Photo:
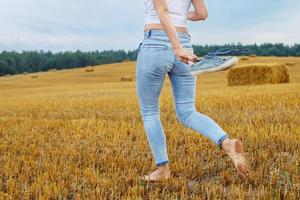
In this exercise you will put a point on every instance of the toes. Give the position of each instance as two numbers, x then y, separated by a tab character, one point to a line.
144	178
242	176
148	178
243	170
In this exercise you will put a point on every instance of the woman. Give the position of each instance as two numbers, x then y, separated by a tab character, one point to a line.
166	49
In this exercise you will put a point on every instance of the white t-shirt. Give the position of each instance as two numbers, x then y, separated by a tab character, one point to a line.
178	10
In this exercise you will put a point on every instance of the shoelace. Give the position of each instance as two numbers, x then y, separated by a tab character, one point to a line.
217	54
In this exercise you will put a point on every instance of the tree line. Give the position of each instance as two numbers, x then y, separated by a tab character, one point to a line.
34	61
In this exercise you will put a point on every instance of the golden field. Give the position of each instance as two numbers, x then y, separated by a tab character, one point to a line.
70	134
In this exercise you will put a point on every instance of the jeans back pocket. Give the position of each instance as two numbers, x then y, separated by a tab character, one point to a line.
149	45
153	44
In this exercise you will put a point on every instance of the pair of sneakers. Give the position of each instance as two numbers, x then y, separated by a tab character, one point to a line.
214	61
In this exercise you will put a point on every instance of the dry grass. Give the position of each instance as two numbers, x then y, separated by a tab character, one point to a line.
77	135
258	73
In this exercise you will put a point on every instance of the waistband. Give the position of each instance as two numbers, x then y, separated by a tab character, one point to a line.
158	32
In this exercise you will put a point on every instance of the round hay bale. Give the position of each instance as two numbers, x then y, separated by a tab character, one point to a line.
7	75
89	70
24	72
126	78
290	64
34	76
252	56
51	70
258	73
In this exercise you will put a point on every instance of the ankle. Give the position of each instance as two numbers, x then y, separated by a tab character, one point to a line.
163	168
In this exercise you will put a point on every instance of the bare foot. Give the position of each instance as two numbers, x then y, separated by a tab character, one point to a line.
162	172
234	149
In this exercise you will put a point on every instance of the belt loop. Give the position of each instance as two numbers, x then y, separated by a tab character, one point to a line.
149	33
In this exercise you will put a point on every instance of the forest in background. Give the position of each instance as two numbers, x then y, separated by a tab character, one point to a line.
12	62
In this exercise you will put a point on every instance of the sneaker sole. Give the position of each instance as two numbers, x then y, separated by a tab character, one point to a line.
226	65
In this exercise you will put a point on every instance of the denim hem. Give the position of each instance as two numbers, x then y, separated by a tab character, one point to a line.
162	163
221	141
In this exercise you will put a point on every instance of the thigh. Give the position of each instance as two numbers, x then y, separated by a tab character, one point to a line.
183	84
184	90
152	64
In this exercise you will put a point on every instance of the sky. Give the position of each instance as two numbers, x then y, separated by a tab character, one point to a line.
88	25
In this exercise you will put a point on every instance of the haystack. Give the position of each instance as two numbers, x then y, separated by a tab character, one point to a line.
89	70
34	76
252	56
290	64
258	73
126	78
244	58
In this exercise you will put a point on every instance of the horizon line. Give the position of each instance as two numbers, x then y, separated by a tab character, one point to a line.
94	50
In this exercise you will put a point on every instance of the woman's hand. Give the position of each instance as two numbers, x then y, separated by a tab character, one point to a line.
184	56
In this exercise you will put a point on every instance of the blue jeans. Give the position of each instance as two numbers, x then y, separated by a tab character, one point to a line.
155	59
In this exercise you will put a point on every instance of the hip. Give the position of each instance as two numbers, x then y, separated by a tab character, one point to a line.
155	26
155	40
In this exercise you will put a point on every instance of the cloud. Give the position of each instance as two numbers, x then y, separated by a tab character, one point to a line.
276	25
102	24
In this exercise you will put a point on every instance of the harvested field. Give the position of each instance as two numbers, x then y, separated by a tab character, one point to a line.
77	135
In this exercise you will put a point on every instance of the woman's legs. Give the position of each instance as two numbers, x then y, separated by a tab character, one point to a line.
154	60
184	86
151	68
152	65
